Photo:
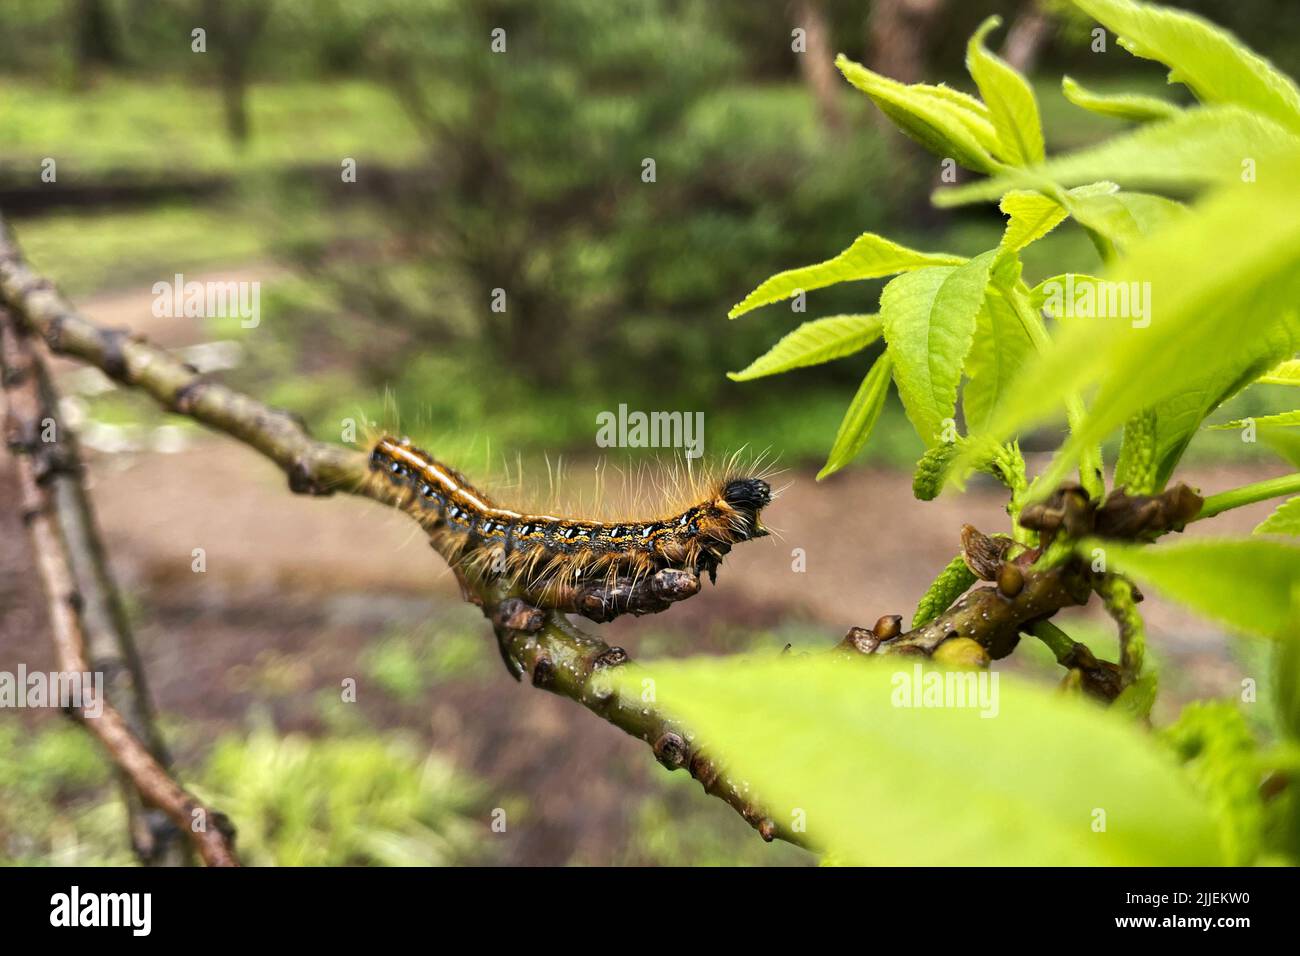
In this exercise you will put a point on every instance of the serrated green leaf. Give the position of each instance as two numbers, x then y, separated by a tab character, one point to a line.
1242	583
1280	420
1199	146
964	101
1210	61
929	318
870	257
1287	373
970	112
1179	416
830	738
1285	520
1123	217
815	342
861	417
1217	283
1222	757
996	358
1054	292
1129	106
1032	215
1009	98
938	122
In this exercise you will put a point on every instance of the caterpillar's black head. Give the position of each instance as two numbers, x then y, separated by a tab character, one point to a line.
748	496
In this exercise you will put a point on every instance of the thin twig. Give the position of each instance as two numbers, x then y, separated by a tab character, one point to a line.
208	830
109	641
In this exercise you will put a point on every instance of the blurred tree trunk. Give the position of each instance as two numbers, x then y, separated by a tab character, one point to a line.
96	37
897	35
235	26
1026	37
816	62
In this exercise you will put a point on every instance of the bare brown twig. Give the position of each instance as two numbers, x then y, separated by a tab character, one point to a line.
37	463
109	641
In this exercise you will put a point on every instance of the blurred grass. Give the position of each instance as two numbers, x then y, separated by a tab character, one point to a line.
171	128
57	803
344	801
86	252
361	799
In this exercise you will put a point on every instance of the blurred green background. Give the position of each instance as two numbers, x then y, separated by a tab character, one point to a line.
475	171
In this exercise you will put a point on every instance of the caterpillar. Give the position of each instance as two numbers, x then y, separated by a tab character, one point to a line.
550	559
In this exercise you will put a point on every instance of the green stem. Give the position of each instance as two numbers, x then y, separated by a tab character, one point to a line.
1057	641
1090	464
1249	494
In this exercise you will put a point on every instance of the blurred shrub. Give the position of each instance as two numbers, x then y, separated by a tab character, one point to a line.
58	803
341	801
407	663
535	185
362	799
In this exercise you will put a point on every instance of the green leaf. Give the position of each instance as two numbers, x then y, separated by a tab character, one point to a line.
1055	291
939	122
1286	673
1180	415
1221	755
1199	146
996	358
815	342
1280	420
1210	61
861	417
1285	443
879	783
870	257
1135	469
1137	699
1032	215
1129	106
1010	100
1285	520
1213	286
1242	583
1123	218
970	112
929	318
1287	373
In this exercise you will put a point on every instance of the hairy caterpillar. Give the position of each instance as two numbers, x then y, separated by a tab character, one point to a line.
550	559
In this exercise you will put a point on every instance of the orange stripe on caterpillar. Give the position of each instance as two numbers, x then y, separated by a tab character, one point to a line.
550	557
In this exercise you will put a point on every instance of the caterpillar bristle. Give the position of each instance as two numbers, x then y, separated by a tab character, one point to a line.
549	559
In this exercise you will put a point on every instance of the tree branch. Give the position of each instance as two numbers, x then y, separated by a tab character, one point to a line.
36	467
558	656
